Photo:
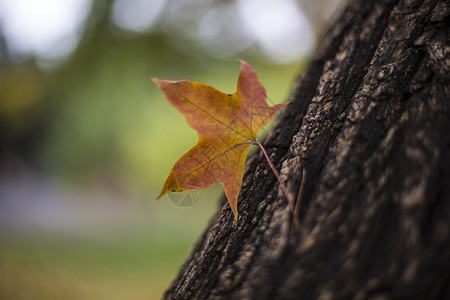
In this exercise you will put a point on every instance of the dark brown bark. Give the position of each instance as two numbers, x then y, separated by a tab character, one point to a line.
369	126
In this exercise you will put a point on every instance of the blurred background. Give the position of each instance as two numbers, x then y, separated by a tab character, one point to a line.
87	140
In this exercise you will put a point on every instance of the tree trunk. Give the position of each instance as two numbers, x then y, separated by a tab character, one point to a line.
364	146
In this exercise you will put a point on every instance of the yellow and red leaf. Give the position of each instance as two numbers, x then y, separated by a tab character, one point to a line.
227	124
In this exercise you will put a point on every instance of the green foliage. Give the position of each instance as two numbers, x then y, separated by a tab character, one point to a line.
110	117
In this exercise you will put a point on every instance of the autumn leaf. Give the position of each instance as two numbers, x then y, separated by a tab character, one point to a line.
227	125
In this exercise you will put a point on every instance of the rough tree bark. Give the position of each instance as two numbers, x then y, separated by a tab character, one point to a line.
367	136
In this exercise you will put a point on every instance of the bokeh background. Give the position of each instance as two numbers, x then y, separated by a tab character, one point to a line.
87	140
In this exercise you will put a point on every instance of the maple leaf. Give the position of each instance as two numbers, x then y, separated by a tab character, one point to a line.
227	125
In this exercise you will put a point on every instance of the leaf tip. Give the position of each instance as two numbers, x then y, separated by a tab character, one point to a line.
244	64
234	211
163	192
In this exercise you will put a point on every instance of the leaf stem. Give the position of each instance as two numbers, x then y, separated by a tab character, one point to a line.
277	175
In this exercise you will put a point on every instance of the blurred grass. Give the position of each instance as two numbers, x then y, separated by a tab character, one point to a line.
138	262
71	268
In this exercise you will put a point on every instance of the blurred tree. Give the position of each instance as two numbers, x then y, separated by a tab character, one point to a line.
22	111
85	113
4	59
364	146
